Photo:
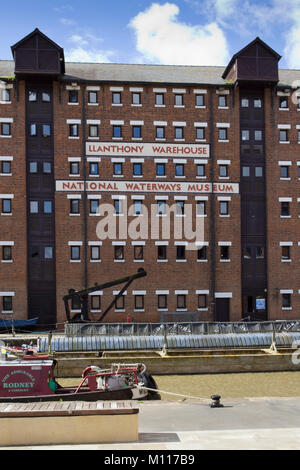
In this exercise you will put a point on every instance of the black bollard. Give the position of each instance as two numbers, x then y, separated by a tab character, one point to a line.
216	401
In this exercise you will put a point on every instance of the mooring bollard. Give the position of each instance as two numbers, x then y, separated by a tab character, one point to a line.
216	402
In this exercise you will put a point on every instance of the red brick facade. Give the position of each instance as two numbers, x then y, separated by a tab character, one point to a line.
191	278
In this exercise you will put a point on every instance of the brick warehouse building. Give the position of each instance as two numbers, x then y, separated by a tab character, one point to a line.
223	141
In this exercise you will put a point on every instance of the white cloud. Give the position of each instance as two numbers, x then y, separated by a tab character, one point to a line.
162	37
67	21
84	49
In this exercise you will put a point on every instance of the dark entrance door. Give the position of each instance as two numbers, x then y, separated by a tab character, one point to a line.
222	309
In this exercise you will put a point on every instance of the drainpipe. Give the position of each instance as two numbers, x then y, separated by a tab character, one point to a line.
212	205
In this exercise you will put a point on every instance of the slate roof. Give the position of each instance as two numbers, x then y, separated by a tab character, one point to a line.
156	74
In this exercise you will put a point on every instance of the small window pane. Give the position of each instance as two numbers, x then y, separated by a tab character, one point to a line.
48	252
46	97
47	207
33	167
246	171
32	96
34	207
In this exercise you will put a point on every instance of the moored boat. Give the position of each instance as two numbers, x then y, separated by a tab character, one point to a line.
32	379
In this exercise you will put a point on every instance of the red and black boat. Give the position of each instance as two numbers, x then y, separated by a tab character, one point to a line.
32	379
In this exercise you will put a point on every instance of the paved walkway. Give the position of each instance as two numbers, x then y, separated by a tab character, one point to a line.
254	423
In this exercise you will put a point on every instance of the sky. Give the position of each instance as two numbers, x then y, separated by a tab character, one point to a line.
185	32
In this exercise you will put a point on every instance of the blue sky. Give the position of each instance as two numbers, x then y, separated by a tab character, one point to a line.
185	32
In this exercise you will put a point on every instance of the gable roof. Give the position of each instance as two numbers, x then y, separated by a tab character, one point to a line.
35	32
257	40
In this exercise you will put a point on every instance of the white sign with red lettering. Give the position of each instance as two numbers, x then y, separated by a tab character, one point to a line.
147	187
130	149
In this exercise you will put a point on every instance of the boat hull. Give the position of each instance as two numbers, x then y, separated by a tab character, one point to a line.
111	395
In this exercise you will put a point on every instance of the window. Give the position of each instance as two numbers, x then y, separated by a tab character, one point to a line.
285	253
118	206
119	252
285	209
283	135
200	133
73	130
180	252
136	132
178	132
34	207
139	302
283	102
160	169
245	135
257	103
138	252
93	97
75	253
95	253
137	169
201	170
120	303
93	131
116	98
247	252
222	101
7	253
136	98
137	207
200	100
159	99
201	253
5	168
5	129
6	206
162	252
46	130
47	167
33	167
222	134
286	301
74	206
46	97
117	131
224	252
181	301
284	172
179	207
74	168
179	169
75	303
94	206
260	252
32	96
96	302
7	303
5	95
118	169
223	208
201	207
258	135
94	168
245	103
162	301
47	207
178	100
73	96
33	130
48	252
259	171
161	207
246	171
223	171
160	132
202	301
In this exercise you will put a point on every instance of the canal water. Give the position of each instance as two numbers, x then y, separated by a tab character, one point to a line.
270	384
